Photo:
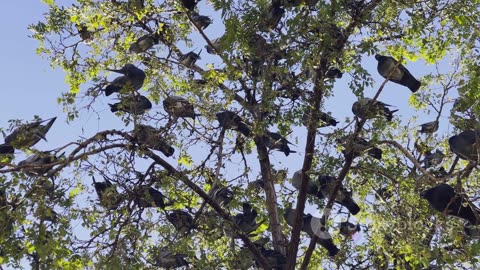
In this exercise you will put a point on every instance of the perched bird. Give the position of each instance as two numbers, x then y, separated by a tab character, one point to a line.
37	164
217	46
246	220
272	19
348	229
144	43
189	58
343	197
181	220
223	196
400	75
333	73
190	4
465	144
276	259
313	226
136	105
6	149
27	135
472	231
276	141
429	127
367	108
132	80
201	21
312	188
179	107
166	259
433	159
325	120
230	120
359	146
107	194
152	138
444	199
149	197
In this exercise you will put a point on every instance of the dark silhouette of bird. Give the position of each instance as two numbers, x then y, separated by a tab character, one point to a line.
313	226
359	146
179	107
136	105
132	80
6	149
189	58
181	220
27	135
312	188
274	258
247	220
429	127
190	4
348	229
168	260
433	159
107	194
149	197
230	120
144	43
367	108
201	21
444	199
272	18
343	197
276	141
325	120
472	231
152	138
37	164
223	196
401	75
217	46
333	73
465	144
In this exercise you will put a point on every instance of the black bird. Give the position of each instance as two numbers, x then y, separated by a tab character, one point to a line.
312	188
429	127
152	138
360	146
325	120
333	73
276	259
201	21
246	220
444	199
144	43
272	19
136	105
401	75
166	259
6	149
276	141
189	59
348	229
190	4
465	144
217	46
313	227
433	159
366	107
230	120
107	194
132	80
343	197
181	220
149	197
223	196
28	135
37	164
179	107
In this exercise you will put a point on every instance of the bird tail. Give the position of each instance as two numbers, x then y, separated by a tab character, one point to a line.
351	205
43	131
329	246
389	114
412	84
375	153
113	107
244	129
110	89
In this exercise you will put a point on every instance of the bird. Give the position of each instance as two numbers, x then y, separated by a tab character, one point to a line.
6	149
314	227
149	197
144	43
343	197
272	18
107	194
189	58
136	105
179	107
152	138
132	80
36	164
230	120
325	120
274	258
359	146
247	220
472	231
348	229
276	141
444	199
433	159
217	46
168	260
190	4
429	127
400	75
201	21
312	188
333	73
367	108
27	135
181	220
223	196
465	144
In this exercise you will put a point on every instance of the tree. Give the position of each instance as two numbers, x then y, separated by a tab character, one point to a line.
180	188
